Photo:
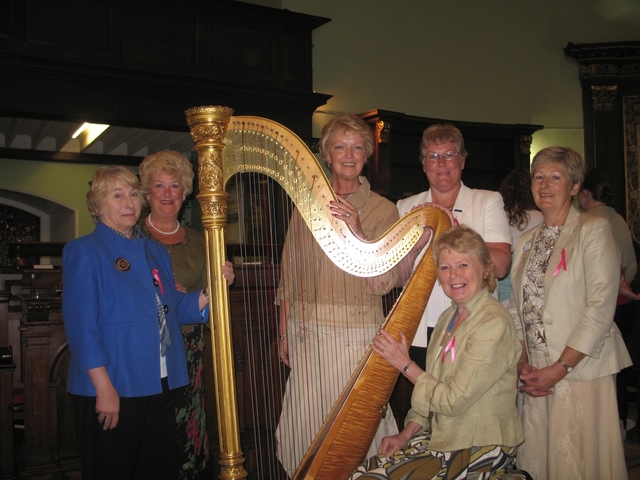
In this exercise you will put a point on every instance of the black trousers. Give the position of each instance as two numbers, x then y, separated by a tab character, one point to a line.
143	445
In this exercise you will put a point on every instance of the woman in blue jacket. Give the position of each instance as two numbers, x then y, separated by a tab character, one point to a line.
122	316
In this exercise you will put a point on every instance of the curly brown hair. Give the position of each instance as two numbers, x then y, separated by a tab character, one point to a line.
518	199
597	182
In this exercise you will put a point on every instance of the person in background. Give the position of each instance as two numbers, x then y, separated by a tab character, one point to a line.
122	313
598	198
522	213
167	180
443	157
327	316
564	284
463	422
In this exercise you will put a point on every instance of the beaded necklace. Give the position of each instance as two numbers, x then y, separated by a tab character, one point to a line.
158	230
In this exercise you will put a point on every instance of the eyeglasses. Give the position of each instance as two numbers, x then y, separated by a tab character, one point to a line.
446	156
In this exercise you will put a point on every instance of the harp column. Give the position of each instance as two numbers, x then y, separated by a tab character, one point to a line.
208	127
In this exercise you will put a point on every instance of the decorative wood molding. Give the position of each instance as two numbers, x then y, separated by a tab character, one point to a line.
603	97
383	130
632	165
525	144
602	60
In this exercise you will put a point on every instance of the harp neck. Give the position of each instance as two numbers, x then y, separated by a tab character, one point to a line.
259	145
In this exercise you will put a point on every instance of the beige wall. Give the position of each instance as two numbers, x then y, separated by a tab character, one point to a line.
486	61
59	182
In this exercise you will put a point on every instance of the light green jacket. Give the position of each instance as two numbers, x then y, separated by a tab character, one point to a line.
472	401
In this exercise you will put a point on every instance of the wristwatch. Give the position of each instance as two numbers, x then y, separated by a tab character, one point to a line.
566	367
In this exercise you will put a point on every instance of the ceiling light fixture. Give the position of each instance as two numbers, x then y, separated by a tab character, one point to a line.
91	131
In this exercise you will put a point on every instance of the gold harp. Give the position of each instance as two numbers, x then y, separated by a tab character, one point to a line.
229	145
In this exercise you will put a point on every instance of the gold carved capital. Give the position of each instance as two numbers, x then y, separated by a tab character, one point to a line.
383	130
210	169
208	124
214	207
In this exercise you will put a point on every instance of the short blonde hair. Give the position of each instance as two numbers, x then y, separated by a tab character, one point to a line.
346	123
168	162
437	134
103	182
463	239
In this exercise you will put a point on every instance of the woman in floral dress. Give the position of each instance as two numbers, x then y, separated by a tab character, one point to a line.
565	278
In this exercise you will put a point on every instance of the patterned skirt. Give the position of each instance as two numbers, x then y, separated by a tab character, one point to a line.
415	460
191	420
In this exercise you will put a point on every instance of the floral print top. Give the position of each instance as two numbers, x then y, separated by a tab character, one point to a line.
533	290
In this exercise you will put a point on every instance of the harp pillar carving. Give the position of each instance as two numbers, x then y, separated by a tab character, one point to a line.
208	128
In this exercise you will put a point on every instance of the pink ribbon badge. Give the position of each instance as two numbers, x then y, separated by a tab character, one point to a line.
562	264
156	276
451	346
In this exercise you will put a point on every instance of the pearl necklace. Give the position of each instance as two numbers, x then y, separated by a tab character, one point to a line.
164	233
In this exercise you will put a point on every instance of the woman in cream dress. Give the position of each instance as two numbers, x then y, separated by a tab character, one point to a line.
327	316
565	278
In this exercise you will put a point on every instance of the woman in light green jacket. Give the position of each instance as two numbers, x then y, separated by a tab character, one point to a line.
463	418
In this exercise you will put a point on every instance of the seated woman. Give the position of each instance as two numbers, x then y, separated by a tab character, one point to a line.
463	418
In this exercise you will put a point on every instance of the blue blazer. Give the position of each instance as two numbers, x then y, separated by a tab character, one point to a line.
110	313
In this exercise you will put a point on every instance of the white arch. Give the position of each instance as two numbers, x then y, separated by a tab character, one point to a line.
58	222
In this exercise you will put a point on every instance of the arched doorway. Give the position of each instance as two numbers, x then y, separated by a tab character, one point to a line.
26	217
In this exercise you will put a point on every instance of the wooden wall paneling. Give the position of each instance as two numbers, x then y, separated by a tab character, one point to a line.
62	421
7	471
46	447
139	64
37	451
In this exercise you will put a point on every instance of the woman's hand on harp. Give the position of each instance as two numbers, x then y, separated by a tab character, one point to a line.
393	351
283	350
436	205
227	272
343	210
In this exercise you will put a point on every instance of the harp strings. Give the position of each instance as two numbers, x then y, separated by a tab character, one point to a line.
324	356
261	378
